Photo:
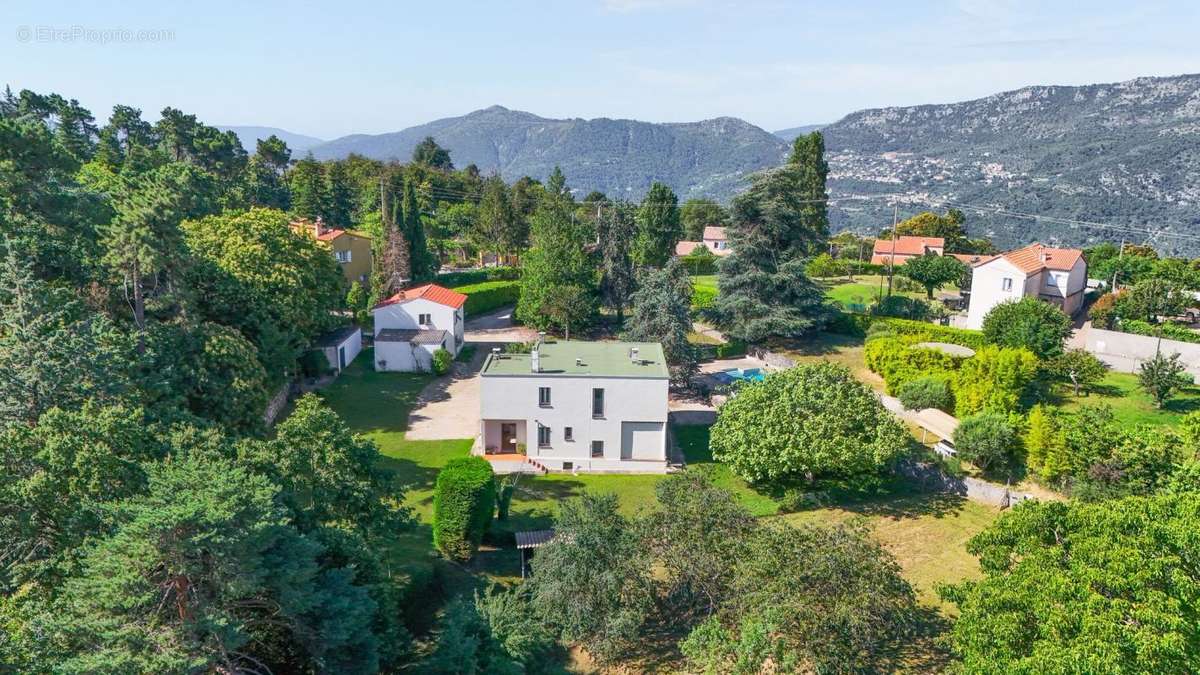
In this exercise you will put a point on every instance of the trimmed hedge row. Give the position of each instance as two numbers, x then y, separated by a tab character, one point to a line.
464	500
865	325
726	350
489	295
1170	331
467	277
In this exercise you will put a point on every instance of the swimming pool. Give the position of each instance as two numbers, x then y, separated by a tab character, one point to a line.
744	374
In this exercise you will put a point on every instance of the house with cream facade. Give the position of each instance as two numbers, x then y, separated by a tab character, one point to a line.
1054	275
713	239
350	248
576	406
414	323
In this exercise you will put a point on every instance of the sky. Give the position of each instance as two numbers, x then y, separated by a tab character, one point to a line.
328	69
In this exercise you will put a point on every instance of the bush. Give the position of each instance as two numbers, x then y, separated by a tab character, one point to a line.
464	500
993	380
848	323
504	494
901	306
441	361
897	361
313	363
920	331
987	440
731	350
825	265
927	392
489	295
703	297
700	262
1030	323
1170	331
469	277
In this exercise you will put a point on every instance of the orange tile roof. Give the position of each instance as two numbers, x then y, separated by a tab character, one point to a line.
430	292
974	259
908	245
714	232
330	235
1035	257
686	247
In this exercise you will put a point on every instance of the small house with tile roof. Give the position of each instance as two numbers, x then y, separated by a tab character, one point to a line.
352	249
414	323
1055	275
905	248
713	239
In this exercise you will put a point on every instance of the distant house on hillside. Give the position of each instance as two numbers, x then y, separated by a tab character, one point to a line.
576	406
414	323
904	248
713	239
350	248
1056	275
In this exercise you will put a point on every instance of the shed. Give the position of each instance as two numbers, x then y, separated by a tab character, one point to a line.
527	541
937	422
340	346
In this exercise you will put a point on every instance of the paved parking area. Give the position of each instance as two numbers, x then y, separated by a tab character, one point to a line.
448	407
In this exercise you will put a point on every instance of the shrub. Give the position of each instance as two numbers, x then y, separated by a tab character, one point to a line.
313	363
825	265
731	350
1103	311
847	323
464	500
504	495
901	306
927	332
1030	323
1169	331
897	361
987	440
489	295
700	262
703	297
927	392
441	361
993	380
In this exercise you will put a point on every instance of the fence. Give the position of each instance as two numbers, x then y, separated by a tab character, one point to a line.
1125	352
932	479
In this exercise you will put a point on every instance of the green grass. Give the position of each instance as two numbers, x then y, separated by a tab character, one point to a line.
1130	403
861	292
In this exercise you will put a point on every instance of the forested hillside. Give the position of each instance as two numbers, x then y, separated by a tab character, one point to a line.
1126	154
621	158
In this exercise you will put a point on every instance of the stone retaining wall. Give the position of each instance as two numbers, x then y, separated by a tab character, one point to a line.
932	479
277	403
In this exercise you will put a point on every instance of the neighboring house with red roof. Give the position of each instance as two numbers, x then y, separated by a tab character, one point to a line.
1055	275
414	323
350	248
713	239
905	248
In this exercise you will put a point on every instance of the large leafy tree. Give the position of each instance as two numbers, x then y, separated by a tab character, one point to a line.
805	424
950	226
932	271
429	153
779	221
698	213
593	581
1107	587
662	313
1030	323
558	276
657	227
204	572
499	227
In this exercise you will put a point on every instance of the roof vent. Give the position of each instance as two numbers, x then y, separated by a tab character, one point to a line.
578	362
535	361
633	355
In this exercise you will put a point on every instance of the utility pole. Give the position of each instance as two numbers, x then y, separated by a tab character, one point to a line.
1120	254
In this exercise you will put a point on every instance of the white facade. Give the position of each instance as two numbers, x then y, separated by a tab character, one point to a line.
1002	280
342	351
422	314
413	324
571	421
407	356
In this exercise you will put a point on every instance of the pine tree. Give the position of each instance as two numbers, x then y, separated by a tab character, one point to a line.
339	208
307	182
658	228
662	313
558	276
422	263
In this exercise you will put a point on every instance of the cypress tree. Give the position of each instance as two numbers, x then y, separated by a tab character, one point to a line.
423	264
658	228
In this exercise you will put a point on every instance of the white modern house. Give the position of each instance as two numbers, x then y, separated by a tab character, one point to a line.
1055	275
414	323
576	406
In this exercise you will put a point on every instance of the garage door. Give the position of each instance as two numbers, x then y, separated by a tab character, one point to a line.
642	440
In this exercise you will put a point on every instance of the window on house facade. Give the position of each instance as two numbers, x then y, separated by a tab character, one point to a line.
568	434
1006	284
544	397
597	403
568	466
343	256
1054	279
543	437
597	448
424	319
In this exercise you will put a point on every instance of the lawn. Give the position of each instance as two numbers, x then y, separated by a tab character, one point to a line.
1129	402
856	295
844	349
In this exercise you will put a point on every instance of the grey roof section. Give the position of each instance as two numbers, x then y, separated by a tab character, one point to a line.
336	337
533	538
561	358
411	336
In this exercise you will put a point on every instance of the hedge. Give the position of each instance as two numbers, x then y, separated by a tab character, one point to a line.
701	263
1170	331
703	297
864	325
470	277
489	295
464	500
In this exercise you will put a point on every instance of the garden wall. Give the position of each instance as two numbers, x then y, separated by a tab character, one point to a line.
932	479
277	403
1125	352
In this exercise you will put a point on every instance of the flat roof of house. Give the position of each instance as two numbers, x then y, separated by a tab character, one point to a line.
576	358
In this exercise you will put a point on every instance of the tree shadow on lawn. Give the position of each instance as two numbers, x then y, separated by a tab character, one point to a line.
900	499
819	344
408	474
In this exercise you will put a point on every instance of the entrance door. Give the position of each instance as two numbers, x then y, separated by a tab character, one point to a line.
508	437
341	358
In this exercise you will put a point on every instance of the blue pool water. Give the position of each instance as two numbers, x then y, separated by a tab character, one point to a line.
733	374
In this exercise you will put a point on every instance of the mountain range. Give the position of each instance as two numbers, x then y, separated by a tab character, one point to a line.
249	136
1124	154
